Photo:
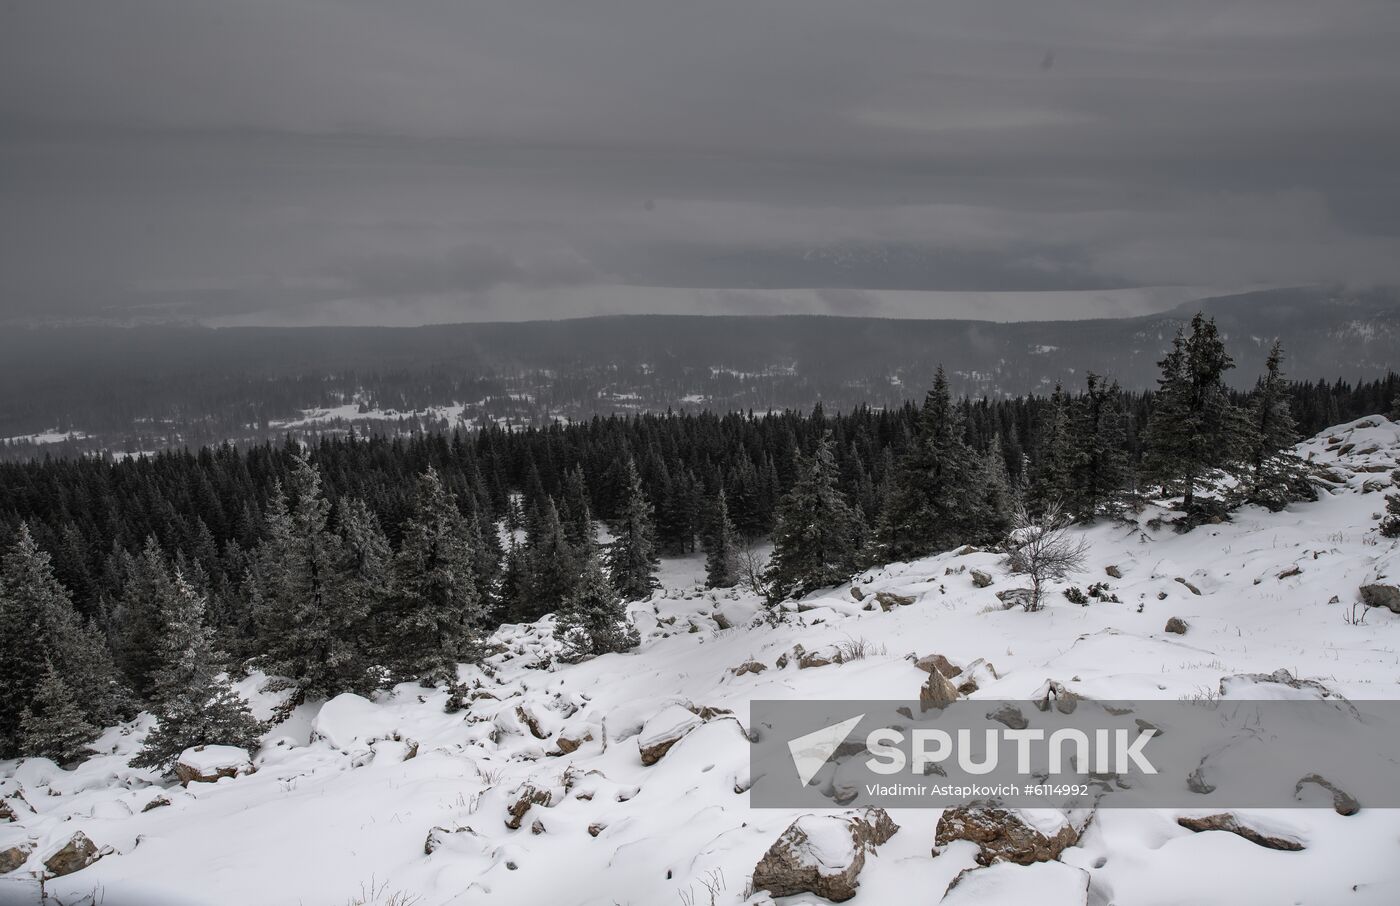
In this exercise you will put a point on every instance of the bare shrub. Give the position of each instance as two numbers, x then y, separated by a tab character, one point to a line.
1042	548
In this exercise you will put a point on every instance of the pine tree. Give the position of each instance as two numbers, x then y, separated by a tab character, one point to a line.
139	617
1193	427
632	560
367	577
593	619
817	540
551	566
576	513
440	611
721	548
1053	477
1271	431
52	725
1099	470
194	702
309	628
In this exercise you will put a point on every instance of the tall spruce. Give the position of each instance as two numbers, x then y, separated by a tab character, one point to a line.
1272	429
593	620
721	548
52	725
440	611
1099	464
1193	428
195	704
367	577
632	559
816	542
1053	477
551	565
140	619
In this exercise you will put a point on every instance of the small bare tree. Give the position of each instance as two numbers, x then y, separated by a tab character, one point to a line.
1042	548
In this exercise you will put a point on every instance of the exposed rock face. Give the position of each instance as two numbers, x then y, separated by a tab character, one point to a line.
1177	625
664	730
78	853
937	693
570	741
1022	836
1226	821
823	854
748	667
207	764
1345	803
981	579
14	856
937	663
529	795
1387	596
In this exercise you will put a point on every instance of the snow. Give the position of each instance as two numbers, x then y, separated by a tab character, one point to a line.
347	791
210	759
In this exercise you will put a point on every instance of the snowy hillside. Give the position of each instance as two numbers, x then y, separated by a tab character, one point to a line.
538	792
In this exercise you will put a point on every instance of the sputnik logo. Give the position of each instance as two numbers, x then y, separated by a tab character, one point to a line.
810	752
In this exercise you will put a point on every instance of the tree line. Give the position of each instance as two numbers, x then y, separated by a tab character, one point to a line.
360	562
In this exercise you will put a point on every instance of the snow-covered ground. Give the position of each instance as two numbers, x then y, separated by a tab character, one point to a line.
347	794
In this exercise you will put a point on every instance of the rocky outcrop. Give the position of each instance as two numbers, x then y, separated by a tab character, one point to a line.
937	663
208	764
1177	625
13	857
1231	823
1387	596
664	730
569	741
937	693
823	854
78	853
527	796
1023	836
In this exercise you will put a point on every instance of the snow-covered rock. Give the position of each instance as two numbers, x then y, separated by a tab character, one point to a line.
208	764
664	730
823	854
1022	836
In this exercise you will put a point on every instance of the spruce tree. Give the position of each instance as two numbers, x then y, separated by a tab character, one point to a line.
632	560
552	565
1272	430
366	576
439	609
52	725
593	619
195	704
139	617
721	548
816	541
1053	477
1193	427
1099	470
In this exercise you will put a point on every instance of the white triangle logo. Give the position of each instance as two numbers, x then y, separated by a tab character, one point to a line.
810	752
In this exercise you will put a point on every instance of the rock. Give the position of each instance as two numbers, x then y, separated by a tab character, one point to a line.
1113	572
1227	821
1372	485
528	795
888	600
1345	803
1387	596
1294	570
1023	836
78	853
857	593
748	667
664	730
1189	587
11	809
937	693
1177	625
981	579
823	854
965	550
1053	693
1335	599
938	663
1013	597
1043	883
1010	716
820	657
158	802
438	837
530	721
13	857
569	742
596	828
537	827
1161	596
208	764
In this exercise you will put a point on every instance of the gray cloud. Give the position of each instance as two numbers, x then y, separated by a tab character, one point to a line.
216	159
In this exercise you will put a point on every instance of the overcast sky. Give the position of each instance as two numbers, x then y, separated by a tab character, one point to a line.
303	161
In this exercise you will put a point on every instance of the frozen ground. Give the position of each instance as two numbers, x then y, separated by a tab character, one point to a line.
346	793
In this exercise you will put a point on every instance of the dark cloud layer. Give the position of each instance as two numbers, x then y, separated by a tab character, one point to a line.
437	159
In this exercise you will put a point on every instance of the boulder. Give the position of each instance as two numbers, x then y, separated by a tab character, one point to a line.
1042	883
980	578
1014	597
748	667
937	693
78	853
13	857
439	836
1294	570
569	741
937	663
527	796
157	802
857	593
1053	693
1344	803
1113	572
1231	823
823	854
11	809
820	657
1372	485
1010	716
532	723
596	828
1387	596
1177	625
664	730
1023	836
208	764
1189	587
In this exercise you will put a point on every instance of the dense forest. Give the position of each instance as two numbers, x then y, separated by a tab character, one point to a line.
359	561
